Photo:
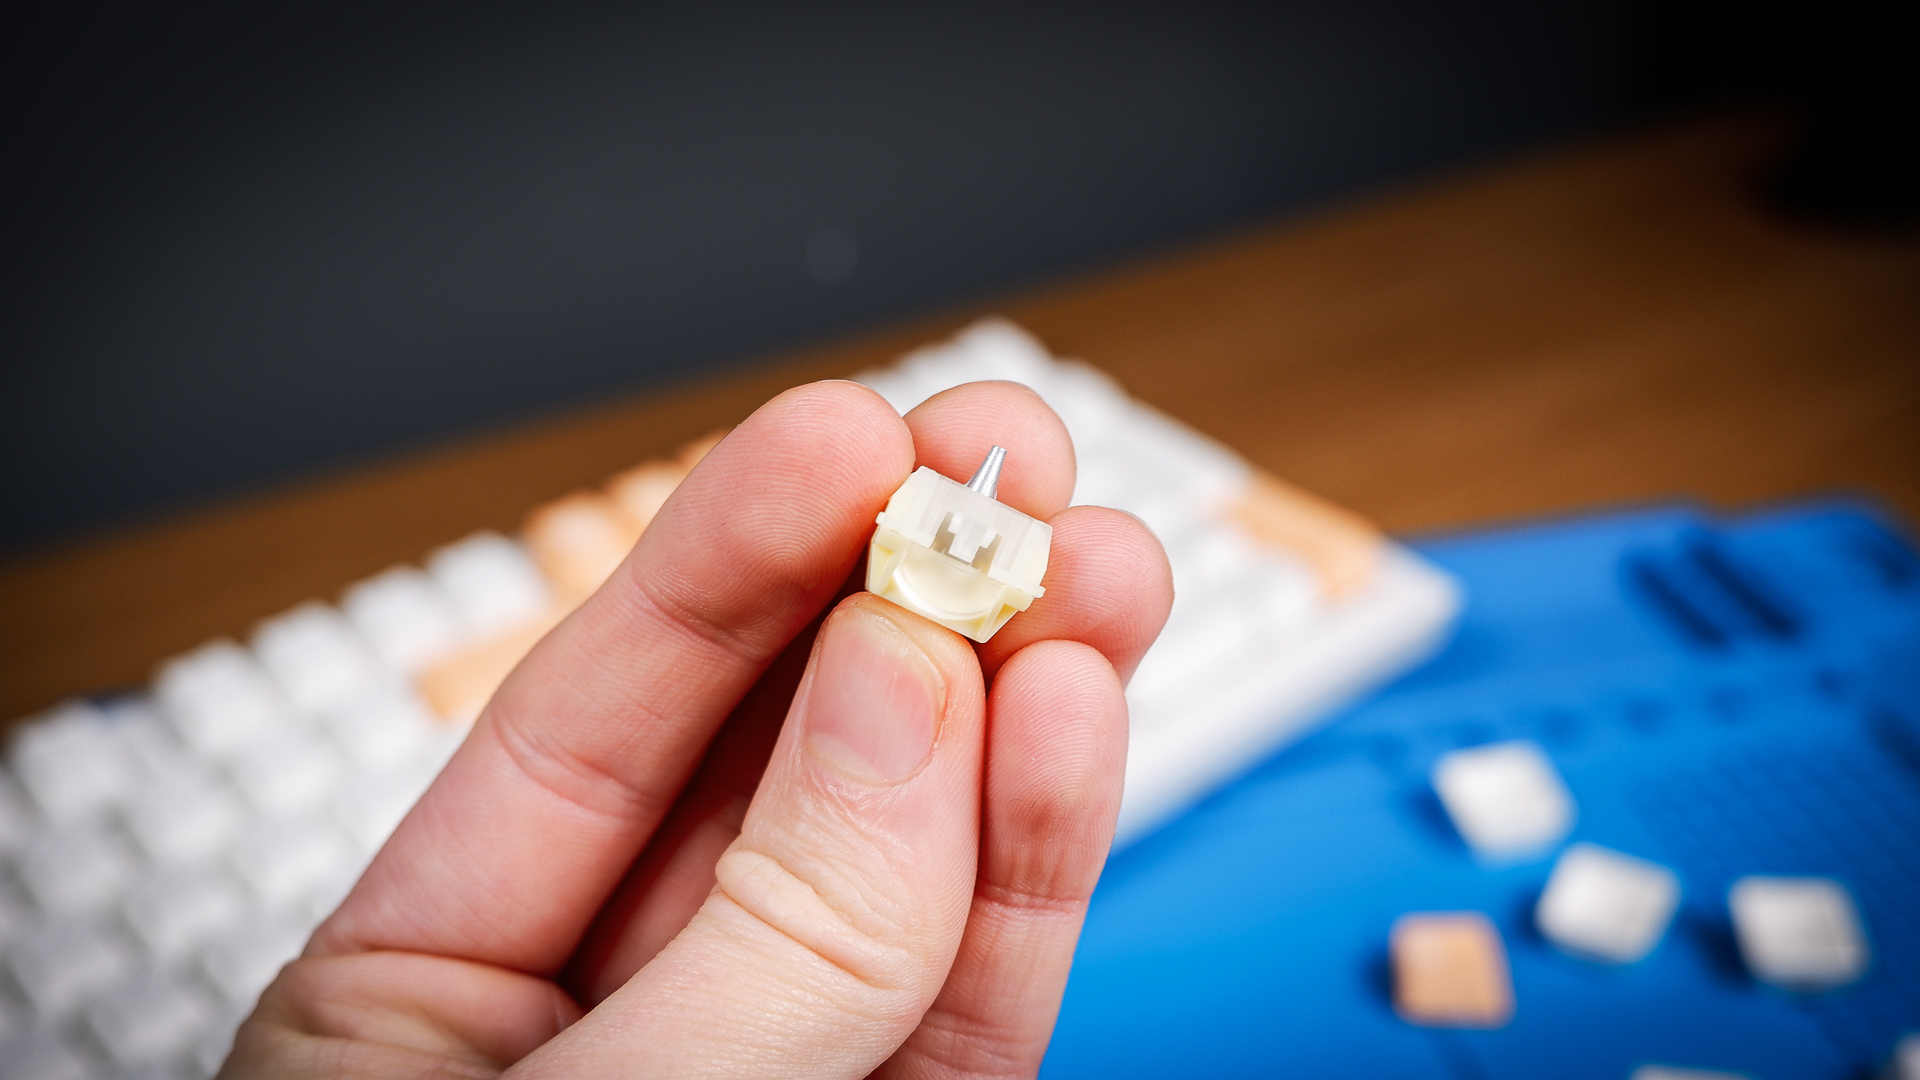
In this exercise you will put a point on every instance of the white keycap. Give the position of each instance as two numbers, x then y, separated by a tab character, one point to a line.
71	762
1507	800
999	349
16	1019
65	961
1165	514
290	772
918	377
1091	405
219	698
152	744
1285	593
374	806
324	898
46	1053
1905	1062
1674	1072
1207	473
1207	633
1605	905
79	867
385	726
1802	933
188	816
243	962
177	909
491	581
888	385
287	864
171	1069
316	657
1204	558
17	915
1096	482
989	349
149	1021
17	820
215	1041
1224	627
409	621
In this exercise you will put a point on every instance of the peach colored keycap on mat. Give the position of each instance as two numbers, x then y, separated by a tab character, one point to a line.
1450	970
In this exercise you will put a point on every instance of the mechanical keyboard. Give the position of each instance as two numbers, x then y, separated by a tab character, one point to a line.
164	851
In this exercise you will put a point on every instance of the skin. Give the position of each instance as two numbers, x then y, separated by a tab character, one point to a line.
733	817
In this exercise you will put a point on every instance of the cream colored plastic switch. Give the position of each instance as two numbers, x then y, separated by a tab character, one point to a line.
956	554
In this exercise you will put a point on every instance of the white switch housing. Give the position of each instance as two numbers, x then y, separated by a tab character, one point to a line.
959	557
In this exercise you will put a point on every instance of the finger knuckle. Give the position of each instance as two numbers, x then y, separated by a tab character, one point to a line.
776	897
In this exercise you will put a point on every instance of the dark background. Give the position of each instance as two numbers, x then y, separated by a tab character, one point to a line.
245	247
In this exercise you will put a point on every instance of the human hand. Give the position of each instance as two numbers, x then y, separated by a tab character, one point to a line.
698	831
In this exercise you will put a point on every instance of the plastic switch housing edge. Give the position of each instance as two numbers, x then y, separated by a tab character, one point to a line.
959	557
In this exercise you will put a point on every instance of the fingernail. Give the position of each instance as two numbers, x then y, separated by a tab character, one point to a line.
873	705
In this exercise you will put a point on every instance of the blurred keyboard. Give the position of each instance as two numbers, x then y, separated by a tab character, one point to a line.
163	852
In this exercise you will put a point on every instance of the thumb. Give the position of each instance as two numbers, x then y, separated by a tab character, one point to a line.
837	912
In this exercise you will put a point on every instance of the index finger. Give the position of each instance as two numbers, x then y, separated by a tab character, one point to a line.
572	765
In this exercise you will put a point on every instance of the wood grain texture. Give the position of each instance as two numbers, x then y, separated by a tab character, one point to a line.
1606	325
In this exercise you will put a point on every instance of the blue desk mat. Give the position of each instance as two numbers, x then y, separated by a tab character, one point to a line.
1724	697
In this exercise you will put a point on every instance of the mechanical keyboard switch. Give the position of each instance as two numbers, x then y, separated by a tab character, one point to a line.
957	555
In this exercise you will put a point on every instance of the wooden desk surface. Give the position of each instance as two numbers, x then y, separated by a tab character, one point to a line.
1612	324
